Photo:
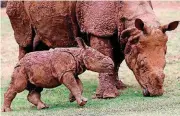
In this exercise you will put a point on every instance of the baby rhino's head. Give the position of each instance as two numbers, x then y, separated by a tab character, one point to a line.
94	60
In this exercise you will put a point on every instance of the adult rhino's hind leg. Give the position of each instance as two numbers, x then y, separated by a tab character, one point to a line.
107	81
21	25
24	50
34	96
38	45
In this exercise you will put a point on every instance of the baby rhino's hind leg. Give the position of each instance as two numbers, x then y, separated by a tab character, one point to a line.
34	96
69	81
17	85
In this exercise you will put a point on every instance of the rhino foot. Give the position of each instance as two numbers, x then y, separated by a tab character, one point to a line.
83	102
42	106
6	109
108	93
120	85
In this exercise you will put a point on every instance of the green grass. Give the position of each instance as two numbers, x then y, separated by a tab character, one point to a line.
130	102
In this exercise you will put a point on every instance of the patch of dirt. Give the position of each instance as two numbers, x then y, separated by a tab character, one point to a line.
3	12
166	5
174	58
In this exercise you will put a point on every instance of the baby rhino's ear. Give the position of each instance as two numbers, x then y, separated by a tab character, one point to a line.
81	42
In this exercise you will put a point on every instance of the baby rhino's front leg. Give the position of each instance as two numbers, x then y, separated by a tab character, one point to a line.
69	81
71	96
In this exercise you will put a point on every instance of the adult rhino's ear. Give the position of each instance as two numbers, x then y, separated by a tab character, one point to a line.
139	24
125	34
81	42
169	27
131	35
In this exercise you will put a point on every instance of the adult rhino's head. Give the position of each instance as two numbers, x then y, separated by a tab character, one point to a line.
145	51
94	60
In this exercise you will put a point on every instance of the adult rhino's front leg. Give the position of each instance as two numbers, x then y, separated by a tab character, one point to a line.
108	82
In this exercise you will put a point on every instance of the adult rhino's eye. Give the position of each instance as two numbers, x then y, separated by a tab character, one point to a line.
142	63
134	41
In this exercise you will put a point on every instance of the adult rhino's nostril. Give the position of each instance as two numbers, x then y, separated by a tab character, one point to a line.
160	77
146	92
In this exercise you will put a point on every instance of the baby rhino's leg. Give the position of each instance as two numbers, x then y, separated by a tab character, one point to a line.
17	85
71	97
34	96
69	81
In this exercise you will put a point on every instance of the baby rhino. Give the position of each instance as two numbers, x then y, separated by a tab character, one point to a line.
49	69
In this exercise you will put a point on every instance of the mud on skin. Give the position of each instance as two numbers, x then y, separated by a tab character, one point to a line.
43	25
49	69
144	42
145	54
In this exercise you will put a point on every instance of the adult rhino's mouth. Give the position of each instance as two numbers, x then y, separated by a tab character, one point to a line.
152	83
148	93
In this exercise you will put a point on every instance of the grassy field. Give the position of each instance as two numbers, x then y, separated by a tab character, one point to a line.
130	102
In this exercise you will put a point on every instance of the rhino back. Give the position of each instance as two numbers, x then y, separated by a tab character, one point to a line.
52	21
45	68
96	17
131	10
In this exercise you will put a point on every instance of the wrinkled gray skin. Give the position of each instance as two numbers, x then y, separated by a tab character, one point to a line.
44	25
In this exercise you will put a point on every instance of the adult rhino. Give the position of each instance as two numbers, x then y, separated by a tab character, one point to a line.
43	25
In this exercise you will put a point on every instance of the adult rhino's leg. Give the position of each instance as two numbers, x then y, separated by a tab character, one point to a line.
24	50
118	57
21	25
38	45
107	81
